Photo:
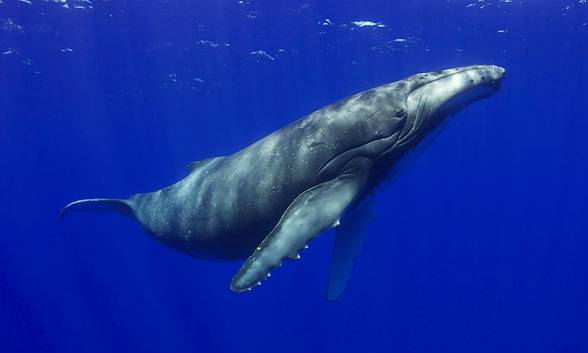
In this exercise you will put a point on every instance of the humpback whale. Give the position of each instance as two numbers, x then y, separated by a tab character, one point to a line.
267	201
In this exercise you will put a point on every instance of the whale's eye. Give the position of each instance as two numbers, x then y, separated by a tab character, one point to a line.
400	113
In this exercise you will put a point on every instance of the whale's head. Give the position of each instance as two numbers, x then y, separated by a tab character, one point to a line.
431	98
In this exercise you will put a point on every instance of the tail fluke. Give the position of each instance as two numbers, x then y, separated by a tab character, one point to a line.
98	206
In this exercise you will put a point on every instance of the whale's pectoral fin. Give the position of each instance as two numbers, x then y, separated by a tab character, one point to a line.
347	246
313	211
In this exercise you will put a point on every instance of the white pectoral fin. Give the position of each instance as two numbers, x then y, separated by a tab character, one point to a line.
313	211
347	246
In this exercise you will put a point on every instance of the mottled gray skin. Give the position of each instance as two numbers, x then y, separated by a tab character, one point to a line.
227	205
224	209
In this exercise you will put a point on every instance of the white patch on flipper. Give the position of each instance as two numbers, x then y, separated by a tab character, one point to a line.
309	214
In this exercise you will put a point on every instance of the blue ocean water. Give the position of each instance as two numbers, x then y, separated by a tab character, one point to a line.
480	246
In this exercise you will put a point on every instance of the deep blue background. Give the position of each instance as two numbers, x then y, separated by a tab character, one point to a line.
480	246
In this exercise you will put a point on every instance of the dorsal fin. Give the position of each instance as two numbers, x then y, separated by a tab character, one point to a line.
199	164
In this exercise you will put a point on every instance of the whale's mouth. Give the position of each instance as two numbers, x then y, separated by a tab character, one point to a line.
437	96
